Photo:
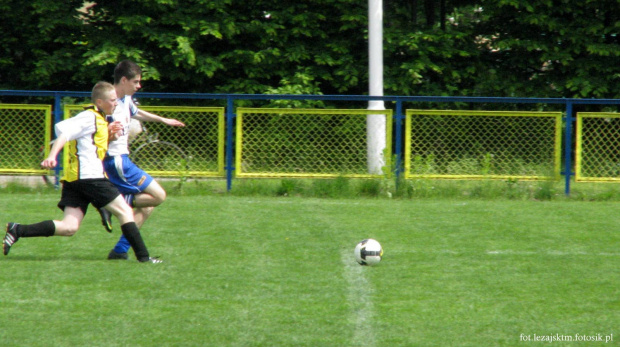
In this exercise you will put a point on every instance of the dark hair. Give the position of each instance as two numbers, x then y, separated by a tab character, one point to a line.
127	69
99	91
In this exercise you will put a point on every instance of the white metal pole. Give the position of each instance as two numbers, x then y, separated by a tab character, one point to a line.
375	124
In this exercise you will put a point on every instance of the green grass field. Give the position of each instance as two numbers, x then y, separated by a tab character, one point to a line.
262	271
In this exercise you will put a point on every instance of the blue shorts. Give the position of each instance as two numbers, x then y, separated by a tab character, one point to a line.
126	176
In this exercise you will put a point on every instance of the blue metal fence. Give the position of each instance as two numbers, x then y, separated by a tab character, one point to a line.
232	100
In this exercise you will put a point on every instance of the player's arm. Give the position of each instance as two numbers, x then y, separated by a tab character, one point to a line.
50	161
151	117
69	129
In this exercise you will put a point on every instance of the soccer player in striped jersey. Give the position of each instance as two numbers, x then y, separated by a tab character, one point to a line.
84	180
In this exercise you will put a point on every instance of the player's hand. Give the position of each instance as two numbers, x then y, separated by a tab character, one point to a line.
174	122
49	163
115	127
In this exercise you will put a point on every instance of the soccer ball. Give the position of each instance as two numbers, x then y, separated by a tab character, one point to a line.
135	128
368	252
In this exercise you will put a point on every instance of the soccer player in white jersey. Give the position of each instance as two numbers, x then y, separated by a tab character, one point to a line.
141	191
84	181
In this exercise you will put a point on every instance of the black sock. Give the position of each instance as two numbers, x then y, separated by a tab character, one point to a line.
132	234
45	228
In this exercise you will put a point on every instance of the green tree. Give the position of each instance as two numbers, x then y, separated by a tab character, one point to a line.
429	50
41	45
531	48
550	48
221	46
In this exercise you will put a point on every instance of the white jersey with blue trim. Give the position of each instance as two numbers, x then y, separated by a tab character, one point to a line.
122	113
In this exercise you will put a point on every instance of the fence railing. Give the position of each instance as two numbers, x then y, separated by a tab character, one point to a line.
597	153
24	133
195	150
305	142
483	144
519	146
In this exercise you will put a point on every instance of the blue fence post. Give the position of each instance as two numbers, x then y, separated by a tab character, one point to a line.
57	107
398	140
230	116
568	147
58	115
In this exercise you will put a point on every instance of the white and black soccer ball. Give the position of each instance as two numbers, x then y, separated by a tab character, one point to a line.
368	252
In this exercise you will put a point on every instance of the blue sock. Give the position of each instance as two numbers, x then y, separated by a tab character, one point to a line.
122	246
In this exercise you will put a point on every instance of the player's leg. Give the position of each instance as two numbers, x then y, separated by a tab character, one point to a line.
15	231
144	203
153	193
151	196
122	246
113	166
102	193
126	180
74	206
119	208
68	226
70	223
141	214
141	192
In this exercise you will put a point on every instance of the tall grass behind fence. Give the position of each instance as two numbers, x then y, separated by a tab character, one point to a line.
483	144
597	155
25	131
305	142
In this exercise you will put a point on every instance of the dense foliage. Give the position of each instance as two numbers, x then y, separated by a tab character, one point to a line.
535	48
557	48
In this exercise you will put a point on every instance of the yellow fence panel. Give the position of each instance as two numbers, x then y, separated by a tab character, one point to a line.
195	150
25	131
305	142
483	144
597	154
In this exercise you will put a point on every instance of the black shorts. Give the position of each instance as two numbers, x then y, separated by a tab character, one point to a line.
80	193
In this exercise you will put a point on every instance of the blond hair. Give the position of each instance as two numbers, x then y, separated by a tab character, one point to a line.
100	90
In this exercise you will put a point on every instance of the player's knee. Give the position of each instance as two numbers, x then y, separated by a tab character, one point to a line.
70	230
160	196
121	210
125	216
125	211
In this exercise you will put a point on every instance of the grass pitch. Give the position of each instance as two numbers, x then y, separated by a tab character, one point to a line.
259	271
